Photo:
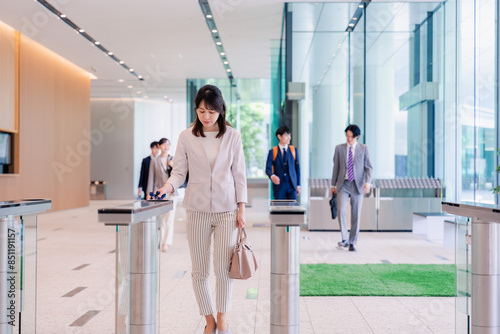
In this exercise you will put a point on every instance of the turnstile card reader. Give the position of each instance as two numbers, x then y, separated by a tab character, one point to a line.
286	213
137	307
286	216
18	263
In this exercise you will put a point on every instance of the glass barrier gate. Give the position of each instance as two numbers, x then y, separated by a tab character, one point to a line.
137	302
478	267
18	256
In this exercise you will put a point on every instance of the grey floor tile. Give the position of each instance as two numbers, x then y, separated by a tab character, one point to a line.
178	308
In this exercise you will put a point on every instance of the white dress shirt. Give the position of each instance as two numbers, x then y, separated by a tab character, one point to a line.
285	148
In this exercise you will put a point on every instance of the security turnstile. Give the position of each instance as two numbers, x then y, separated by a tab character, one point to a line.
137	264
286	217
18	252
478	272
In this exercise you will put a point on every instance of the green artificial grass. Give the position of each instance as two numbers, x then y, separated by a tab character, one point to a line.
381	279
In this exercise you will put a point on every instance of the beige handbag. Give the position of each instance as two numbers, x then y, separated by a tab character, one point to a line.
243	263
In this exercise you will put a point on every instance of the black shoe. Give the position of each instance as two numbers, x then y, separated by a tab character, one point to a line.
343	243
351	248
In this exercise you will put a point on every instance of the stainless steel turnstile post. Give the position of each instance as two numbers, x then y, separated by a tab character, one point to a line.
137	264
485	264
286	217
18	256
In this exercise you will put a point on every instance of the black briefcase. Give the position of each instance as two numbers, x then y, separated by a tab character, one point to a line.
333	205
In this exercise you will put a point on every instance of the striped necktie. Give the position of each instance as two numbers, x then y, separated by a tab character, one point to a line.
350	166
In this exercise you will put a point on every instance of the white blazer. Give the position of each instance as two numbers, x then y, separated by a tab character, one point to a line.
217	190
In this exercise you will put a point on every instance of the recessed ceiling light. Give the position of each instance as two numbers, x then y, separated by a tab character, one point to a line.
219	43
170	101
81	30
131	69
164	96
63	16
121	62
138	92
222	53
229	70
361	6
355	18
214	31
130	86
97	43
121	80
139	76
351	24
226	62
209	16
110	53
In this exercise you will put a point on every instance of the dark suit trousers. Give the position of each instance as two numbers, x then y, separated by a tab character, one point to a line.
347	190
284	190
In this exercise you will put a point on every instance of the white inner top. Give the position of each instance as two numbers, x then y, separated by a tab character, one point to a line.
212	146
164	162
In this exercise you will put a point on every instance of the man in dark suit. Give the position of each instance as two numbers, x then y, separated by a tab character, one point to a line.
283	167
146	162
351	177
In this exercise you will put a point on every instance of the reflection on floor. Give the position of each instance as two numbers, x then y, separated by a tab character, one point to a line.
76	264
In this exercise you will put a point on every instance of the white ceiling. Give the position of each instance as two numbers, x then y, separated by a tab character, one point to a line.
165	41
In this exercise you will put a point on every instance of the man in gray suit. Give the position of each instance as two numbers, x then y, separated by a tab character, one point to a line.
352	174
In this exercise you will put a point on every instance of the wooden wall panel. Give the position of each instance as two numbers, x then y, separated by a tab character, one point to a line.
7	79
54	118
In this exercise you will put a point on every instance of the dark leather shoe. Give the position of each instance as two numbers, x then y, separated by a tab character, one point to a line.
351	248
343	243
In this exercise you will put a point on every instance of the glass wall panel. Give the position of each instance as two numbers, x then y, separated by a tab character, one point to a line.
419	78
477	94
485	99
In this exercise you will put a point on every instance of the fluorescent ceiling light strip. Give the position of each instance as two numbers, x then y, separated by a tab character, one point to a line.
357	15
82	32
219	46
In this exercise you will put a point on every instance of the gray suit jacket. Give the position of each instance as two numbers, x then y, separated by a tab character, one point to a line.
157	175
362	166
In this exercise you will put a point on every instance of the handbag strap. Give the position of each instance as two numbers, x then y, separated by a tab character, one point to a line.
241	238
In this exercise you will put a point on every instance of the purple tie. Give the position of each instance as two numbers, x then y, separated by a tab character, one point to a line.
350	169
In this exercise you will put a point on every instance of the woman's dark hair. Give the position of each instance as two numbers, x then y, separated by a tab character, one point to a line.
356	131
212	97
163	140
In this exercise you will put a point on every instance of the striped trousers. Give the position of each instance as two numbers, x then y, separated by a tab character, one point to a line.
200	226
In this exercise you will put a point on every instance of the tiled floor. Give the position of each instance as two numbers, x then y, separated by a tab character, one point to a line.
75	251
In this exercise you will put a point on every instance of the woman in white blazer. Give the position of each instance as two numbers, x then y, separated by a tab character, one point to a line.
212	153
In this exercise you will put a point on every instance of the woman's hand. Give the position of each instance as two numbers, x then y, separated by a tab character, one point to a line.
240	219
166	189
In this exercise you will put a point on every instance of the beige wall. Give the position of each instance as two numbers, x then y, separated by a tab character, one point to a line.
54	120
8	121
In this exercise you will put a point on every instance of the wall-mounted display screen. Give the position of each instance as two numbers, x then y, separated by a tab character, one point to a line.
5	148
